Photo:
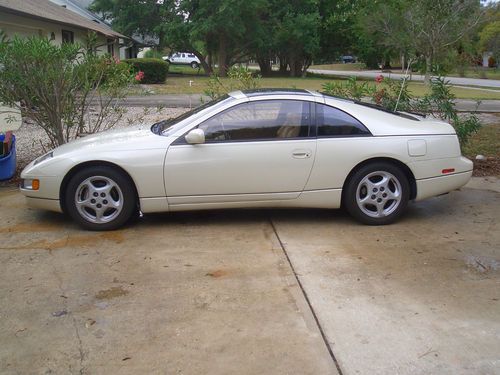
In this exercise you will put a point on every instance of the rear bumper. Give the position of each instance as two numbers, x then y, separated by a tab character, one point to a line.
44	204
430	187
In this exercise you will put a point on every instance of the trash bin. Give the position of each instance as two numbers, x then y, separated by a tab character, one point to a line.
8	161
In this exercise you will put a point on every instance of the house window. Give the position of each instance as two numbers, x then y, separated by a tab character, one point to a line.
68	36
111	46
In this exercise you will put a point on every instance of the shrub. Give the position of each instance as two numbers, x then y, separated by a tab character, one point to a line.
395	95
155	70
238	78
352	89
62	89
441	104
153	54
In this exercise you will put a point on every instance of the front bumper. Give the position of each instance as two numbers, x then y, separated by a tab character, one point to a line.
44	204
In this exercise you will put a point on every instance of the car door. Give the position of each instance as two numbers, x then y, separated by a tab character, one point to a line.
257	150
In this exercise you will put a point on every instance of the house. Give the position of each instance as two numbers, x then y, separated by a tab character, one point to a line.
45	18
129	47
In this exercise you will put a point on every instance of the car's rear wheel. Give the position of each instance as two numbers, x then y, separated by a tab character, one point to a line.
377	194
195	65
100	198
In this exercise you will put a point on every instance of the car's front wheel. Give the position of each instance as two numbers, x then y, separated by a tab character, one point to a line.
100	198
195	65
377	194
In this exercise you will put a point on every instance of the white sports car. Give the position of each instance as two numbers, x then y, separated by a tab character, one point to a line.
260	148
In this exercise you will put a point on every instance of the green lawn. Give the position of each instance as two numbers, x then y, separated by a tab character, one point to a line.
485	142
355	66
487	73
184	69
180	84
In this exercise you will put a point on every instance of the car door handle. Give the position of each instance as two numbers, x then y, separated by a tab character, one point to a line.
301	154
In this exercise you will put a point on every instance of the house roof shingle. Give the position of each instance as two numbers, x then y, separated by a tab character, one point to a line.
48	11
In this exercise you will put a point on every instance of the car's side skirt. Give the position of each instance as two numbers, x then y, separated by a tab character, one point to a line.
327	198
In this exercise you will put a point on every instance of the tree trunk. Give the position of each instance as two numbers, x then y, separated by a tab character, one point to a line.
206	67
283	65
402	63
210	60
307	63
222	55
428	68
265	66
295	66
292	63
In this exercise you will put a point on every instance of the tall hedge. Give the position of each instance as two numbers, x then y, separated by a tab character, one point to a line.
155	70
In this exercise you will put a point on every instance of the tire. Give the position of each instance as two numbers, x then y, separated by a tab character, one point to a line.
195	65
377	194
114	204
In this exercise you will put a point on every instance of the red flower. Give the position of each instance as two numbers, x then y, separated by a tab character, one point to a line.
139	76
379	79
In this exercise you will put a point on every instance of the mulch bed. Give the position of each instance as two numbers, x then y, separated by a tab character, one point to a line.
489	167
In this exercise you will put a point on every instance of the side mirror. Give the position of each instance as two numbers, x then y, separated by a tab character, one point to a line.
195	136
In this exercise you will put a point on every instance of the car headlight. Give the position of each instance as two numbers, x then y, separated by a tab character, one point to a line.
44	157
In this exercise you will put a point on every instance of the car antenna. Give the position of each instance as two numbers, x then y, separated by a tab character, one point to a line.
410	61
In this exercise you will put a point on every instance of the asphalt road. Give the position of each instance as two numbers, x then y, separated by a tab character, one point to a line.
189	101
414	77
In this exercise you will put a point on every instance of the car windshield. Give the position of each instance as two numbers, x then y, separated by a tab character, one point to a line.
171	125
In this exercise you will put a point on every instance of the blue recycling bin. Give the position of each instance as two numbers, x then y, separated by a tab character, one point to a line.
8	162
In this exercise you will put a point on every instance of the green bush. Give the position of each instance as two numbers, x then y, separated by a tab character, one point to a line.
155	70
153	54
395	95
239	78
63	89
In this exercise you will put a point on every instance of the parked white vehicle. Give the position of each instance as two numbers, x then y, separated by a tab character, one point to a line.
262	148
183	58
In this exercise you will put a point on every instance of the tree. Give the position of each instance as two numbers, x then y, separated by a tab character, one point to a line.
143	17
223	28
425	27
383	31
298	40
489	35
489	39
337	31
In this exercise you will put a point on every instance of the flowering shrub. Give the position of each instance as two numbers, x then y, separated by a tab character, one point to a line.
153	70
64	89
139	76
395	95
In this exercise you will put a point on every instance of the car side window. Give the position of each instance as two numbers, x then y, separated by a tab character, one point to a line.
332	122
259	120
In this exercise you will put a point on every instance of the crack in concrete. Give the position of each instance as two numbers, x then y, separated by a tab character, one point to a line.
304	293
73	320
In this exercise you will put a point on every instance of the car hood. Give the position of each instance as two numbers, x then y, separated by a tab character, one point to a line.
135	137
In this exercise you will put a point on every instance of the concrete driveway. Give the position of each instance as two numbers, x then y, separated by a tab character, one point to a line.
254	292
